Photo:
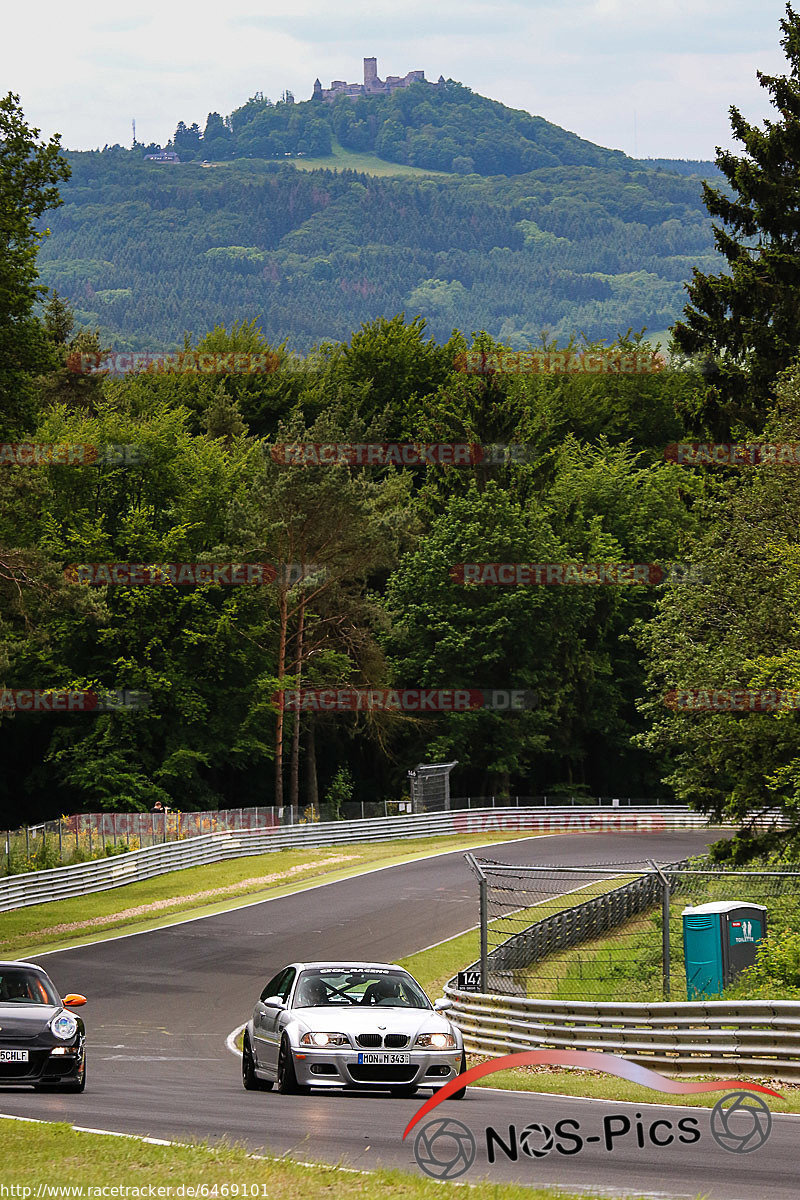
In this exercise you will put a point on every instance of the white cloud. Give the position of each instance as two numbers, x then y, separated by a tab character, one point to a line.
677	64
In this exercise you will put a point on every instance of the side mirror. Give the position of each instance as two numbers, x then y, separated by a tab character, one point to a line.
442	1005
273	1002
73	1000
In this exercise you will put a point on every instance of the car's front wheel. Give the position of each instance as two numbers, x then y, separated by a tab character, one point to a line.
251	1081
287	1079
78	1084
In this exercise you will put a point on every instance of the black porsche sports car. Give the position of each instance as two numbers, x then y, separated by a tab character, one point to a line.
40	1042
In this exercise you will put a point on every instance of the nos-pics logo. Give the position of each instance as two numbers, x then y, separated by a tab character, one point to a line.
446	1148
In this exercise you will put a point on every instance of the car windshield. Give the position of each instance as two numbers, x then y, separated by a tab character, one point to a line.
21	986
321	986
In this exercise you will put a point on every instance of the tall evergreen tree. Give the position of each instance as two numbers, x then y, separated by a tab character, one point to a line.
29	175
746	322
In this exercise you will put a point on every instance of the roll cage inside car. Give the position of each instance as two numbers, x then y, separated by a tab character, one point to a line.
322	986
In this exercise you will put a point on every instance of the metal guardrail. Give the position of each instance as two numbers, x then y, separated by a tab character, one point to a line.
100	829
38	887
715	1037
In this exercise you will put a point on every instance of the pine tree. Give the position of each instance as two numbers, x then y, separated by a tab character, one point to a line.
744	326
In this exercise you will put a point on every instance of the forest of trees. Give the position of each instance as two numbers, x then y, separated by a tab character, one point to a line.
147	252
382	607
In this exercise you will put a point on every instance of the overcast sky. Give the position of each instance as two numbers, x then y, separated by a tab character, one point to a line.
652	79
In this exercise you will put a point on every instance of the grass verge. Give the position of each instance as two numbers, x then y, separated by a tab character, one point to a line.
136	907
59	1155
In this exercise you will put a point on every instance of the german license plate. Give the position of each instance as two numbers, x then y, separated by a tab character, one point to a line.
13	1056
382	1058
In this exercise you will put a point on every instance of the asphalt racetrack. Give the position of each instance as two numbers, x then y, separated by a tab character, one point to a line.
162	1004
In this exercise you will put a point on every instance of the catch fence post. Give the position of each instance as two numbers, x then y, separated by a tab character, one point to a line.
483	893
484	905
665	918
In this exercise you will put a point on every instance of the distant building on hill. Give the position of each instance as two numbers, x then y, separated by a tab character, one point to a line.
162	156
372	85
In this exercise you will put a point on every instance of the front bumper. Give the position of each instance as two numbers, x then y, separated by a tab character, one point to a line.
43	1066
338	1067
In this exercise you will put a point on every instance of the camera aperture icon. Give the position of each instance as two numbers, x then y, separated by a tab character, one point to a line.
444	1148
740	1122
536	1140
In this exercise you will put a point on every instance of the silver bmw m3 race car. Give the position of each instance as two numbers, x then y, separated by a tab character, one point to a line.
349	1025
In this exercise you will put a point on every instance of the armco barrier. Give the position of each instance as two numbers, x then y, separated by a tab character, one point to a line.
38	887
716	1037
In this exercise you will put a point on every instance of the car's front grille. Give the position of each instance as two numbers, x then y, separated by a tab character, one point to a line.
15	1070
394	1041
369	1039
23	1070
382	1073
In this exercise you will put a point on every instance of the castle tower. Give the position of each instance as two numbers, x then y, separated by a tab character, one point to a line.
317	90
370	72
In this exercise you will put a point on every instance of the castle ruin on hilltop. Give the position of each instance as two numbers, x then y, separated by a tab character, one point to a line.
372	85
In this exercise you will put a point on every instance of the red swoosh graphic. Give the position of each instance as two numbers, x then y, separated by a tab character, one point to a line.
590	1060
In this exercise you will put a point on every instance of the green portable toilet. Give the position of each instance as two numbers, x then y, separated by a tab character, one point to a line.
719	940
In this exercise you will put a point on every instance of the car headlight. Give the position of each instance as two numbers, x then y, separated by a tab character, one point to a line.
324	1039
437	1041
64	1027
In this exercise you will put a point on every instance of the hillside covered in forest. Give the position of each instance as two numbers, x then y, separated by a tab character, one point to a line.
147	252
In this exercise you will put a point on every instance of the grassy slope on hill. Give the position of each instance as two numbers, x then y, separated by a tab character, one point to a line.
364	161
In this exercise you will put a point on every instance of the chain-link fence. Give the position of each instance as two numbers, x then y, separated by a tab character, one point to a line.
610	931
85	836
